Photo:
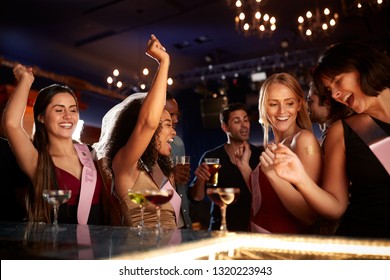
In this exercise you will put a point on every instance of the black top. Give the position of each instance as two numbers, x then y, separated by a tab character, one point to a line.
368	212
14	185
237	214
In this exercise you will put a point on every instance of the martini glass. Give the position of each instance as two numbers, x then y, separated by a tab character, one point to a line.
158	198
223	197
138	198
56	198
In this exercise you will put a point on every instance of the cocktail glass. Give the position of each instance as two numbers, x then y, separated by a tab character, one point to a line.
223	197
158	198
138	197
56	198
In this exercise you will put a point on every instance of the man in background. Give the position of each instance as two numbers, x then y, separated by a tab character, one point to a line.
236	125
181	172
324	110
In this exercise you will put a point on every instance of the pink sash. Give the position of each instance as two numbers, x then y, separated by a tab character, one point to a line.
163	183
381	150
256	199
258	229
256	192
84	241
175	238
175	200
373	135
88	183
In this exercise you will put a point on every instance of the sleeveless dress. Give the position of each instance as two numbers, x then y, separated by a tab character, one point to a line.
272	216
368	212
132	214
68	211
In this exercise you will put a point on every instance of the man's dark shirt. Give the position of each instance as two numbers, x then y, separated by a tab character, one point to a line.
238	213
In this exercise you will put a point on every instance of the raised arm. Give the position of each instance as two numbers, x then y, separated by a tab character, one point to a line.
24	150
242	157
150	113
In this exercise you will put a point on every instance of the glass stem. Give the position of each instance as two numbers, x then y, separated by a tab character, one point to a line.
223	218
141	225
55	210
158	225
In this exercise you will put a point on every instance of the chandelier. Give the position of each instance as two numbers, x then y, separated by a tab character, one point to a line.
316	23
359	7
250	19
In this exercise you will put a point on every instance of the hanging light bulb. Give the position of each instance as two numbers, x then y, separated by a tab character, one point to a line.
360	7
249	19
317	23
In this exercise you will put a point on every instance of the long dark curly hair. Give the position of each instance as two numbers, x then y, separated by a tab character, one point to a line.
121	132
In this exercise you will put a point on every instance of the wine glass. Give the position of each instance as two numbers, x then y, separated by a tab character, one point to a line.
223	197
138	197
158	198
56	198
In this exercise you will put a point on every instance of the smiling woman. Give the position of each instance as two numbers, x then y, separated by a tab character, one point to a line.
277	206
134	147
52	160
355	185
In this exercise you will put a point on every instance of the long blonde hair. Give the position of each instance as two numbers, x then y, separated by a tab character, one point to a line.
303	120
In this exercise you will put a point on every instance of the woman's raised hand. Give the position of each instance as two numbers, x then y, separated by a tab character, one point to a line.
156	50
21	72
287	165
267	159
242	154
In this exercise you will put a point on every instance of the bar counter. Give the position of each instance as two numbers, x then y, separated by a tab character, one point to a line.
72	242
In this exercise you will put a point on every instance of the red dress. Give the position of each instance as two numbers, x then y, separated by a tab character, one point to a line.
68	211
272	215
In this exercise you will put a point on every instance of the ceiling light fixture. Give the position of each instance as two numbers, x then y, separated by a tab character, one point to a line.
128	87
360	7
114	80
317	23
250	18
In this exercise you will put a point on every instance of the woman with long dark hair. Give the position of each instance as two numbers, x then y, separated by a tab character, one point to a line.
52	159
356	180
135	146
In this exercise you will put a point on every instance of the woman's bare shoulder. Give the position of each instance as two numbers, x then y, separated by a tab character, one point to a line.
306	142
305	136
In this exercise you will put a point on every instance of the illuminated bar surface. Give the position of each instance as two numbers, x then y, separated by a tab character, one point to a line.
40	241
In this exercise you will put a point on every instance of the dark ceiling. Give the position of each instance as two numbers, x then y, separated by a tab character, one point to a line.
89	38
